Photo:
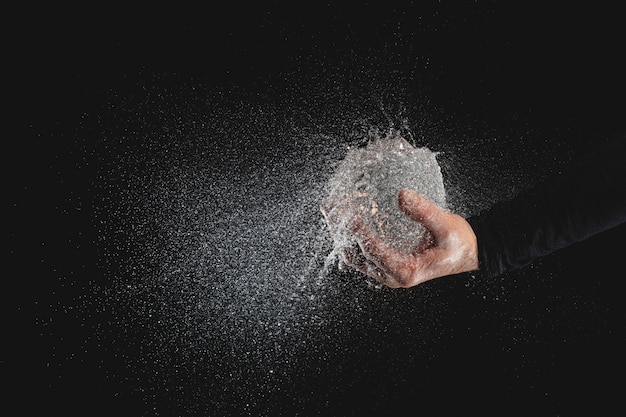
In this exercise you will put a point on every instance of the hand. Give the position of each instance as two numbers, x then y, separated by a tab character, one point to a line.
449	248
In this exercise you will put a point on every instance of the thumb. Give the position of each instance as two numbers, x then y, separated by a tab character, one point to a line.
419	209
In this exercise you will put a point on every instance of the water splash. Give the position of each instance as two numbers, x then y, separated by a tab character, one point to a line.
224	275
367	183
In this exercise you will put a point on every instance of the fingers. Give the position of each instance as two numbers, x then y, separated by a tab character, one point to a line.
399	269
376	250
335	214
354	258
422	210
376	258
441	251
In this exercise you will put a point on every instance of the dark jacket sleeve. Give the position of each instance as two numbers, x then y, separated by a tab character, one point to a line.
588	198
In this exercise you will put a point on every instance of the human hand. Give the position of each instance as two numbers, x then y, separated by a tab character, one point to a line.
449	246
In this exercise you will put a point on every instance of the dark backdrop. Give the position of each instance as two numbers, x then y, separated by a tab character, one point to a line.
512	92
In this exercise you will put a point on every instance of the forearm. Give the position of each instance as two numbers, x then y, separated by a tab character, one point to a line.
588	199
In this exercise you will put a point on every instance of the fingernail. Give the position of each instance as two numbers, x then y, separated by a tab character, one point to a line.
405	197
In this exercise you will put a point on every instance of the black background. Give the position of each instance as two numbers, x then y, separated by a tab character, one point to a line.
554	342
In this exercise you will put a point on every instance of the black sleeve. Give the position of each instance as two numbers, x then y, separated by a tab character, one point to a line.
588	198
